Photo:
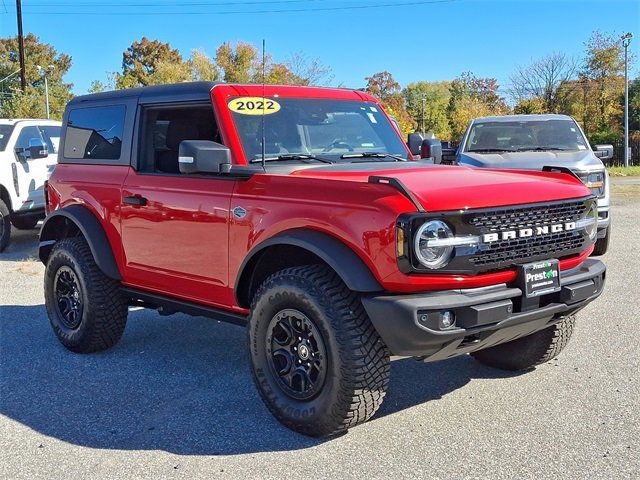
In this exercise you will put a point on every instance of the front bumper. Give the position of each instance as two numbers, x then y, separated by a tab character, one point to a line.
485	317
604	220
604	213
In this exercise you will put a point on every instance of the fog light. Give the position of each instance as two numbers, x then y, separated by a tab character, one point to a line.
437	320
447	319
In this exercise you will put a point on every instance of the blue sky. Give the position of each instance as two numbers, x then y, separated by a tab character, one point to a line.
414	40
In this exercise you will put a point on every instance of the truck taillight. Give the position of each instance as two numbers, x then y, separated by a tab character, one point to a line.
46	197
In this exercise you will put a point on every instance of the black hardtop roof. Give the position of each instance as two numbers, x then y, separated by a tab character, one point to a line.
186	90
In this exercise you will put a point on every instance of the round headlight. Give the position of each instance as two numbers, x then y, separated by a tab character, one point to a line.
433	257
592	227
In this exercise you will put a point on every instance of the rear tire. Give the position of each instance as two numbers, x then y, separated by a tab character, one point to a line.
5	226
527	352
24	223
85	307
340	378
602	244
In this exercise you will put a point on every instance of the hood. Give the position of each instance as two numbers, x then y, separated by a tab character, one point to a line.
444	187
579	160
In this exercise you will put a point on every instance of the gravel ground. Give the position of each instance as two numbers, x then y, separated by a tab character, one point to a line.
175	400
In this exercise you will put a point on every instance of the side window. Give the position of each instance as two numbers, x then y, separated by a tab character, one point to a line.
163	128
95	133
27	134
51	136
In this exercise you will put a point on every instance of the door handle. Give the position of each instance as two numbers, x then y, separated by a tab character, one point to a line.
137	201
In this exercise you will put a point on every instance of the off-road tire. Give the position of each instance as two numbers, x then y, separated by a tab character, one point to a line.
5	226
104	310
24	223
527	352
602	244
357	359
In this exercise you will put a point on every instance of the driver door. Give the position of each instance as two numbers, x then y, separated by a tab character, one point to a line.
175	227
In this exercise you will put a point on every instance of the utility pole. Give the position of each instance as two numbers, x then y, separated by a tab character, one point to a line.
23	80
626	40
45	73
422	114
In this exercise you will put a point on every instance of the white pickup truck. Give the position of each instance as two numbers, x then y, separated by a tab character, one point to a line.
28	155
531	142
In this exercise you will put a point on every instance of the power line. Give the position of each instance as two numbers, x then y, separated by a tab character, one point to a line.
171	3
246	12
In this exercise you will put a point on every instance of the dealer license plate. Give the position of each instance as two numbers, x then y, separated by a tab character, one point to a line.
540	278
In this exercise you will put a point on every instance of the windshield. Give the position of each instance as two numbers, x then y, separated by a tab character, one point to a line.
5	133
525	135
326	129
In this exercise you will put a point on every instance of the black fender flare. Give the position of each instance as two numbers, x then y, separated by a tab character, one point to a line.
343	260
91	229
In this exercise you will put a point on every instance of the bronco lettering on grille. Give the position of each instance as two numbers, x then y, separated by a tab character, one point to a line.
528	232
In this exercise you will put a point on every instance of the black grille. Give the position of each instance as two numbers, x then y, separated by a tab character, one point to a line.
511	219
553	245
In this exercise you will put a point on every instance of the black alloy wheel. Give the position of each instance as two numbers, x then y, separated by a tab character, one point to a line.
297	354
68	297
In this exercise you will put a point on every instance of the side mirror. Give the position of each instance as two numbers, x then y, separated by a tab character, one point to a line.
414	142
603	152
203	156
36	149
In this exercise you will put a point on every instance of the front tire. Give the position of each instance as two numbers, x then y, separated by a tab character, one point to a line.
527	352
602	244
5	226
85	307
24	223
318	363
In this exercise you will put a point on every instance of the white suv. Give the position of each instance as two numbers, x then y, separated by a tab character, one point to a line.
28	154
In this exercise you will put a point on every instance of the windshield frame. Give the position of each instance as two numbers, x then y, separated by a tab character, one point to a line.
467	136
223	93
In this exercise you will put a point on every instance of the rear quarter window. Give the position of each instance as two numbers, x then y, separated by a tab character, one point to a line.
95	133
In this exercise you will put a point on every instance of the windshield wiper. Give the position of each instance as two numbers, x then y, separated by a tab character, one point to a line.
539	149
290	156
374	155
490	150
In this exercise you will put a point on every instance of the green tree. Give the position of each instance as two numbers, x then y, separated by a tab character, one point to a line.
473	97
434	97
603	82
242	63
203	68
530	105
149	62
239	63
634	105
169	72
97	86
31	102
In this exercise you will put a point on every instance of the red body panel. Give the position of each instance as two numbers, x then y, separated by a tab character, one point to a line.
98	189
177	243
185	242
446	188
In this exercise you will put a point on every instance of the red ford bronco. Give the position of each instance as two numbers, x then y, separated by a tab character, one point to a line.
301	213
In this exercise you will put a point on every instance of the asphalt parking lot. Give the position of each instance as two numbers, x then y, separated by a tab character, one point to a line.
175	399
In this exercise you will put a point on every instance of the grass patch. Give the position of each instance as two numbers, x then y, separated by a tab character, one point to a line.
624	172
